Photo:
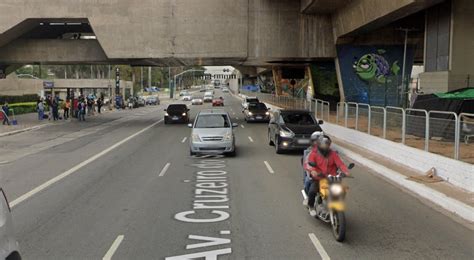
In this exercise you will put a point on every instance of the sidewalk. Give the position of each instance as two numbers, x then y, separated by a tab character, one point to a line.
26	122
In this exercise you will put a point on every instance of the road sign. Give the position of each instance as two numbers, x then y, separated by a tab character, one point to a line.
48	84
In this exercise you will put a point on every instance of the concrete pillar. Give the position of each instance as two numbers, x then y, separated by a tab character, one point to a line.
449	47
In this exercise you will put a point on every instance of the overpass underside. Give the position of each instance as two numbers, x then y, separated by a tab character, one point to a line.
177	33
253	33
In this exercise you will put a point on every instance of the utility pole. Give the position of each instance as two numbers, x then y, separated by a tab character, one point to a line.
141	77
149	77
404	86
169	82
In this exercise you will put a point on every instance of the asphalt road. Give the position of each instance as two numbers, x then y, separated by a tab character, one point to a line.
130	190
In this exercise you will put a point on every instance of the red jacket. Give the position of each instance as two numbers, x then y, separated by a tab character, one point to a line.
325	165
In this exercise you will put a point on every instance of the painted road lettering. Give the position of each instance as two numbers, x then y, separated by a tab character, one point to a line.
210	205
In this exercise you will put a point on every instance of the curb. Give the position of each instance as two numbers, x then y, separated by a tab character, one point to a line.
23	130
460	209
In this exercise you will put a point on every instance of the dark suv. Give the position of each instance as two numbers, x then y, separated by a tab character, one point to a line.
177	113
291	129
256	112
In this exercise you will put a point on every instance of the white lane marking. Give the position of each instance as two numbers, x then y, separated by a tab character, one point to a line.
250	138
184	140
113	248
242	126
77	167
324	255
225	232
163	171
269	168
233	113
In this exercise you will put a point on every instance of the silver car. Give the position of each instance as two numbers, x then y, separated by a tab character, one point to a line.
8	244
212	133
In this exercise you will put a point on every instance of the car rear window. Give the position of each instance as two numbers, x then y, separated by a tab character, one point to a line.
172	108
212	121
299	118
252	100
257	106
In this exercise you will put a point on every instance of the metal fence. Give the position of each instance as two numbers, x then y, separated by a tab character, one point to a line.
440	132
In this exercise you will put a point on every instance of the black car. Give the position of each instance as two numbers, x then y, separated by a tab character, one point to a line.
177	113
256	112
291	129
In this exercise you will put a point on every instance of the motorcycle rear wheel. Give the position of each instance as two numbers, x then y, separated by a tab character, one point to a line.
339	226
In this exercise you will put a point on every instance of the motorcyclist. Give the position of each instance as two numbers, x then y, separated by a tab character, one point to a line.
306	175
325	162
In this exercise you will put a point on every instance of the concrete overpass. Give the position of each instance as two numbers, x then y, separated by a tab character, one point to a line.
229	32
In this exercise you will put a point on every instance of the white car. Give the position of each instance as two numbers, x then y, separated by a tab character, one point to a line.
8	243
248	100
225	90
208	98
183	93
187	97
197	101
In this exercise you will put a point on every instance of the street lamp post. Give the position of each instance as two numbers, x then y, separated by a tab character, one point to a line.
404	87
179	74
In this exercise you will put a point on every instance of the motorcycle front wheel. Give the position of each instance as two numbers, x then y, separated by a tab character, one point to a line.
339	226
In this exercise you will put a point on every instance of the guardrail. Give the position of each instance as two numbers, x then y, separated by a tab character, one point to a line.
441	132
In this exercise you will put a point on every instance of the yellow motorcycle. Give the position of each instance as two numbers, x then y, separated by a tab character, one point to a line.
330	205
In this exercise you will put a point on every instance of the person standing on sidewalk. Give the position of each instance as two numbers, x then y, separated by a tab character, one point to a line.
67	106
40	109
100	101
55	108
5	109
82	111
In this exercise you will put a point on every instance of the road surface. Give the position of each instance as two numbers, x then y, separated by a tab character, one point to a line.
128	190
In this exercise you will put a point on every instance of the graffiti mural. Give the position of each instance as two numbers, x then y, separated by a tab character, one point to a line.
325	82
373	74
284	87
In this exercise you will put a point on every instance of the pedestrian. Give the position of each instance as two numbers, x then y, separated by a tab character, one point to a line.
5	110
50	105
89	106
55	108
40	109
100	102
82	111
67	106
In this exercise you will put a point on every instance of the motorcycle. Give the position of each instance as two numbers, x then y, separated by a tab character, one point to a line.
329	203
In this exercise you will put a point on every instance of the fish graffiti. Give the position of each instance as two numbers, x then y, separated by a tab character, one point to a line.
374	67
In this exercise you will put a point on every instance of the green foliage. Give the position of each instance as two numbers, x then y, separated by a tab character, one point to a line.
23	108
18	99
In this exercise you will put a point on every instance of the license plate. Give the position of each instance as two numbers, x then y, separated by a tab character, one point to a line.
259	117
175	118
303	141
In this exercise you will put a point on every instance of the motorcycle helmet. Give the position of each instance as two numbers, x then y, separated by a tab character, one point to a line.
315	136
324	144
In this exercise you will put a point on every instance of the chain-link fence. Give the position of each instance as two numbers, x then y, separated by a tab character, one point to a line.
440	132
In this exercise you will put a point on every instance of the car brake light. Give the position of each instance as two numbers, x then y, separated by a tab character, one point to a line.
6	200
